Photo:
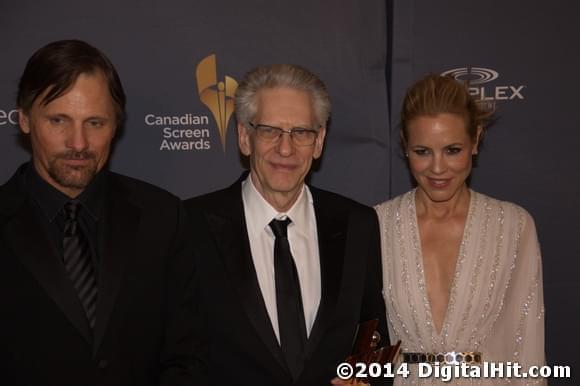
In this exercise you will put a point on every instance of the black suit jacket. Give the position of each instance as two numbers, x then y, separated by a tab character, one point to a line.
142	315
242	348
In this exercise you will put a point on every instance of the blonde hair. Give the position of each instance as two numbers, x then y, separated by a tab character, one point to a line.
436	94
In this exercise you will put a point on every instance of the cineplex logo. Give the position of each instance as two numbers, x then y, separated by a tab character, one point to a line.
192	131
479	80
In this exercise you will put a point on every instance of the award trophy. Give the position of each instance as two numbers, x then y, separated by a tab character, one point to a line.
366	348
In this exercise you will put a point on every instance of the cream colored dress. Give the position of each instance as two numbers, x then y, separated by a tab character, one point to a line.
496	302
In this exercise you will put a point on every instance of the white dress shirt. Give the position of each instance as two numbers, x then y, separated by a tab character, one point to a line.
303	239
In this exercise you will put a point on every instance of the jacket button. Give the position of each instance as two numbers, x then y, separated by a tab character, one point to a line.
103	363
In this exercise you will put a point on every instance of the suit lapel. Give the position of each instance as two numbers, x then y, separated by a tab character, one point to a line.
121	221
228	225
331	228
30	243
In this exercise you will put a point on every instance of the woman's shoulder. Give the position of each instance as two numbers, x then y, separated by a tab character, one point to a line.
507	209
391	205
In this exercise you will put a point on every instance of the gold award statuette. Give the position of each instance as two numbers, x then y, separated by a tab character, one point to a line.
366	343
217	96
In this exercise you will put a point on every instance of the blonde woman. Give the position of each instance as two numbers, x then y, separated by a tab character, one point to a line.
462	271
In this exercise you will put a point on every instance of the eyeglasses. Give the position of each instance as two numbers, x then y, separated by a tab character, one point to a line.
298	135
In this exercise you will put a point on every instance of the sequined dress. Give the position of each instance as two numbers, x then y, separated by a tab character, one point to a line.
496	300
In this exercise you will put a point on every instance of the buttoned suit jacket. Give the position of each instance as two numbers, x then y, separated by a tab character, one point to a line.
241	346
140	336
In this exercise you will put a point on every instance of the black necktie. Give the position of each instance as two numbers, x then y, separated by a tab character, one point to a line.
77	261
288	300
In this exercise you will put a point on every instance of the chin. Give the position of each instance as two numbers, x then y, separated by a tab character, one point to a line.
284	179
75	182
77	178
283	188
437	197
441	195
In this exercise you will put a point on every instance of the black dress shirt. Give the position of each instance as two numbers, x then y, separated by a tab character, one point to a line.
50	209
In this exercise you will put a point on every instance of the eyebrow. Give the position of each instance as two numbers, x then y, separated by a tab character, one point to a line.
295	127
97	117
428	147
66	116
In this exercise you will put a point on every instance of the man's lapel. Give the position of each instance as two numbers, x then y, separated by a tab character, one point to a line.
27	238
120	225
228	226
331	226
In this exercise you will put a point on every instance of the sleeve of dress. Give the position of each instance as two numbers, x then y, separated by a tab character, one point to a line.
519	332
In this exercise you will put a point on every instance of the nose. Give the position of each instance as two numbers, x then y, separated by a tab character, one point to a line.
285	147
439	164
77	138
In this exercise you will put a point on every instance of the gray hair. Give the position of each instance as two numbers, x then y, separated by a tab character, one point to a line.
280	75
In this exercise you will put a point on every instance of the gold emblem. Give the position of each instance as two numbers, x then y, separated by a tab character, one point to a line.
217	96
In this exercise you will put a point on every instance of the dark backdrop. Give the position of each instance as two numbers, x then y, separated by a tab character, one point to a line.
530	155
368	52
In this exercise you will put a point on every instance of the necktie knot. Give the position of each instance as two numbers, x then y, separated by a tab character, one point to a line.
71	209
280	227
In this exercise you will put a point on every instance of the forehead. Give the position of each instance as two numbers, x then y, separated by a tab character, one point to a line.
284	105
440	128
89	91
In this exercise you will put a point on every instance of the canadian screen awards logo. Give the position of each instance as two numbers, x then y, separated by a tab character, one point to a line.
218	96
191	131
482	84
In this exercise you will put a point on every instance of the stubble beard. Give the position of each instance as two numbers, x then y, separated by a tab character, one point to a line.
73	177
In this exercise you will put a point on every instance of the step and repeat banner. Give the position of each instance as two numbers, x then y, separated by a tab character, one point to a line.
176	57
172	55
522	56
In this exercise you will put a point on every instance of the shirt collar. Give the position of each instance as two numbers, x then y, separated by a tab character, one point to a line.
262	212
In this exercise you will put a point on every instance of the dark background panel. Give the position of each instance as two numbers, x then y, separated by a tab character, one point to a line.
156	47
529	154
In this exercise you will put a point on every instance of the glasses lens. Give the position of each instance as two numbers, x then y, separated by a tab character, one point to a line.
299	136
303	137
268	133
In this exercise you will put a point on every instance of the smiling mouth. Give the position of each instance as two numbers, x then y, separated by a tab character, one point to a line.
439	183
283	167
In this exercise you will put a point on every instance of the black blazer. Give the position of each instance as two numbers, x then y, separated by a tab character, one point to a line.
142	315
242	348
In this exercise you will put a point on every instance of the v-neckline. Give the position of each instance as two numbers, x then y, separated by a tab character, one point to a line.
458	263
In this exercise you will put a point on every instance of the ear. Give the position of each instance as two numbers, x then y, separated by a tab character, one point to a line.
23	122
475	149
319	144
244	141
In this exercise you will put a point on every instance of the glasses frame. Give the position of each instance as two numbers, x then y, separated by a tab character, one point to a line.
290	132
